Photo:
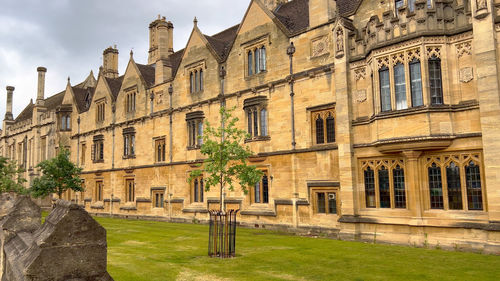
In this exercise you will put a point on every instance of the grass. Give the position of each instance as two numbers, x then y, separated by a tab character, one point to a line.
145	250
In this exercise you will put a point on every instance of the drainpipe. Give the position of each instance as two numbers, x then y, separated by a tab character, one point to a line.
78	143
290	51
222	74
169	193
113	110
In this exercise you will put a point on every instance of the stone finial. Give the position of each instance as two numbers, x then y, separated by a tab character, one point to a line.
131	54
195	21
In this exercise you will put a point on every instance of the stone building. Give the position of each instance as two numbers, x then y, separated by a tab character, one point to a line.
380	121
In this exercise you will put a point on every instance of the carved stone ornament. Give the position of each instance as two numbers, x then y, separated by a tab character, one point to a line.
339	43
360	96
464	49
320	46
466	75
360	73
159	98
481	9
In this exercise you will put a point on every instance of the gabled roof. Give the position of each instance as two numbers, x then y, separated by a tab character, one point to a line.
80	95
50	103
175	60
222	41
348	7
148	73
294	15
115	85
26	114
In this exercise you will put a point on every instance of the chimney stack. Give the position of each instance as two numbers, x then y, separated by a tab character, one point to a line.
8	110
321	11
110	62
161	39
41	85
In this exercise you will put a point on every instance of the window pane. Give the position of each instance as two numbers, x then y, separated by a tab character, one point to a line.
385	91
249	118
257	192
200	132
370	188
435	86
201	190
332	203
132	144
320	134
473	182
250	63
263	122
435	187
191	82
321	203
416	83
263	58
454	188
400	85
399	3
195	191
384	190
161	199
201	80
157	200
257	60
197	81
265	189
255	123
330	129
399	187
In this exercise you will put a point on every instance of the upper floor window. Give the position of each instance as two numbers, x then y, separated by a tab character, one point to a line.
197	189
65	122
400	86
384	183
260	192
160	150
195	129
416	83
398	4
82	156
128	142
100	111
323	126
435	81
455	182
385	89
256	117
130	102
196	80
98	149
256	60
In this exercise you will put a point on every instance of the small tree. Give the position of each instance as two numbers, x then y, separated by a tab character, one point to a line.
11	177
226	157
58	175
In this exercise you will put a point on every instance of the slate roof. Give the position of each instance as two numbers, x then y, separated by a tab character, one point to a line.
148	73
175	60
222	41
115	85
348	7
26	114
80	95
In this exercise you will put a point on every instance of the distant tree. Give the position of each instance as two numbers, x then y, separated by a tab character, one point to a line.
11	177
58	175
226	160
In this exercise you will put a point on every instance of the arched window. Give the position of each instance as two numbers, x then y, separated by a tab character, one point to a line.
454	188
385	89
370	188
263	122
416	83
330	128
435	82
250	63
384	187
320	134
400	86
263	58
256	54
398	175
473	184
435	187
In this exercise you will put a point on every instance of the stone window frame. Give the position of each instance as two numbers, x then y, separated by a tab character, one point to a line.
98	149
461	160
159	148
130	189
262	192
324	111
128	143
99	191
194	122
196	73
158	197
252	49
383	164
197	188
130	100
43	148
100	110
314	191
257	107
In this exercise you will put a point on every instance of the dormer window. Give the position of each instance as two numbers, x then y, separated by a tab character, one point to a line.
100	111
256	60
65	122
130	102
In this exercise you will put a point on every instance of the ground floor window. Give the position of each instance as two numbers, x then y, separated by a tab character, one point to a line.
129	190
158	198
325	200
384	181
197	189
260	192
98	193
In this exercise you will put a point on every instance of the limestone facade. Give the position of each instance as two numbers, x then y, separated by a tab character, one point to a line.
380	123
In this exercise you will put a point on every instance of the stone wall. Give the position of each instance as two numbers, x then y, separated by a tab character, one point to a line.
70	245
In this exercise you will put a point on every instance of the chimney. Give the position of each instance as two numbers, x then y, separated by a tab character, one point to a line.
163	71
41	85
110	62
161	34
321	11
8	109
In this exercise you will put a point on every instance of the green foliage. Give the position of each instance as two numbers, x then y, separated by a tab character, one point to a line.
58	175
226	162
11	177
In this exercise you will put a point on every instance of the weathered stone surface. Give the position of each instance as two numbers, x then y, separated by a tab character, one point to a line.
70	245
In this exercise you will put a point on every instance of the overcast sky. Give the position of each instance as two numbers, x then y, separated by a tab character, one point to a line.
68	37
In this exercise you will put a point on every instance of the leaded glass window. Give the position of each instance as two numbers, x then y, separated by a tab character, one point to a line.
398	175
250	63
385	89
435	187
384	188
400	86
320	134
370	188
263	122
454	188
416	83
473	183
435	82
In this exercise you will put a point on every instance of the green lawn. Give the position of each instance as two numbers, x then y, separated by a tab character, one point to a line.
145	250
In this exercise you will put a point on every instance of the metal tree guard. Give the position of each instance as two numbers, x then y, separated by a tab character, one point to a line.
222	234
